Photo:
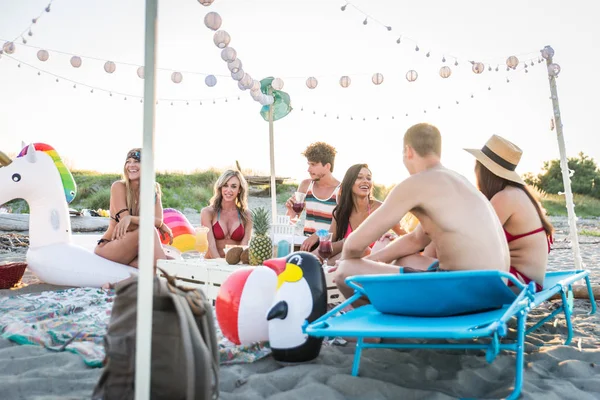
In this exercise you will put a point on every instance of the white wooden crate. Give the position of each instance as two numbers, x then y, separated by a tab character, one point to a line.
210	274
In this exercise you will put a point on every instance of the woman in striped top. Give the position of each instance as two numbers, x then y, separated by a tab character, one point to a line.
321	192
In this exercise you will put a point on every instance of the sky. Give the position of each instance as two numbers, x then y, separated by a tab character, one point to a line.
294	40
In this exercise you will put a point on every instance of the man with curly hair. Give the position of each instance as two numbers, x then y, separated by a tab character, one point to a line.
321	192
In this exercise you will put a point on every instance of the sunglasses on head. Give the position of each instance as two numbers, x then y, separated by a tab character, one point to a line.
135	154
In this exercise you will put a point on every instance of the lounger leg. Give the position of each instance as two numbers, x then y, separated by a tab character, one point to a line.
357	353
521	319
591	295
567	311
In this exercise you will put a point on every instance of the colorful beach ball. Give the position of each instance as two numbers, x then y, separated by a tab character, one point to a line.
243	302
184	236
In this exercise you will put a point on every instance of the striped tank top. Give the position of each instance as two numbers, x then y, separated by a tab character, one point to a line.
319	212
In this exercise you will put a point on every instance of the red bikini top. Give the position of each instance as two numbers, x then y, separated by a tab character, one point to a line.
237	235
510	238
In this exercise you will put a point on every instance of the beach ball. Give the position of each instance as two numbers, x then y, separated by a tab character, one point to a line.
184	236
243	300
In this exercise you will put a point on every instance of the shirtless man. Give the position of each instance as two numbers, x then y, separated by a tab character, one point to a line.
321	192
453	215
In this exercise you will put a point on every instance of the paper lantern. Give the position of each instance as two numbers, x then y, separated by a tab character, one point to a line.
240	86
512	62
76	62
212	20
206	3
267	100
255	85
412	75
141	73
110	67
210	80
445	72
238	75
345	81
256	94
377	78
312	82
228	54
547	52
235	65
277	84
246	81
43	55
9	47
221	39
553	69
176	77
478	67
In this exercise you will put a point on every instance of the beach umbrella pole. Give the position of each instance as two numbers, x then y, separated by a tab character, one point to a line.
272	154
143	356
548	53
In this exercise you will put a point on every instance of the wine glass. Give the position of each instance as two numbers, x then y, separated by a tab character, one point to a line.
325	247
201	244
298	205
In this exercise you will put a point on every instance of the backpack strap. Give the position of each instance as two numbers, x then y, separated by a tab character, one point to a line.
190	302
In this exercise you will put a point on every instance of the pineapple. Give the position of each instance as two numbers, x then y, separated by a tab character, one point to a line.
261	246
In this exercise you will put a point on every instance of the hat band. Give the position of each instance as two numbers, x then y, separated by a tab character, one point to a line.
497	159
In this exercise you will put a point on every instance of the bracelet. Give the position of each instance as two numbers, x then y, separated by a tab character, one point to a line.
161	225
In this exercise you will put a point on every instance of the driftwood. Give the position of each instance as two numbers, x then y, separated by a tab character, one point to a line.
262	180
581	292
12	241
20	223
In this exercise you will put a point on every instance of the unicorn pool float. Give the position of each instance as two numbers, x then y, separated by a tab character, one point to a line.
39	176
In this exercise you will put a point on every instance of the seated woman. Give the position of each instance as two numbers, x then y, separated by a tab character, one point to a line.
355	204
528	231
227	215
120	241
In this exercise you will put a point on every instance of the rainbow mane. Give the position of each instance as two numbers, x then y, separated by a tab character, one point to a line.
184	236
65	175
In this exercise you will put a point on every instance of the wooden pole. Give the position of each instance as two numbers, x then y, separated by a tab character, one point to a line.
272	154
564	166
143	356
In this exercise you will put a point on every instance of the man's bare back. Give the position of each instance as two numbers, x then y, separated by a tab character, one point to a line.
460	222
454	217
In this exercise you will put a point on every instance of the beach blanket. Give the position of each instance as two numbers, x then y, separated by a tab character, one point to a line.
76	320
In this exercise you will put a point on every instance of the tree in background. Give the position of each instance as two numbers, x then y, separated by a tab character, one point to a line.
585	179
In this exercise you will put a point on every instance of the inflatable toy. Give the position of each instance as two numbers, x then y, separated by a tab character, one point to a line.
39	177
301	296
184	236
242	303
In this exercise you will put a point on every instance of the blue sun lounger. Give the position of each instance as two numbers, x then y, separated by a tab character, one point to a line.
435	306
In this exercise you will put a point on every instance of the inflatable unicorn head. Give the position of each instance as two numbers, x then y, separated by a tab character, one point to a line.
39	177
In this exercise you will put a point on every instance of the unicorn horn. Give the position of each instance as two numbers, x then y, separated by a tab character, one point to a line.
4	159
23	144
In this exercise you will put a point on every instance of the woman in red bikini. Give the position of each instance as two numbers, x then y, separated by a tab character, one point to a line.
120	241
227	216
355	204
528	231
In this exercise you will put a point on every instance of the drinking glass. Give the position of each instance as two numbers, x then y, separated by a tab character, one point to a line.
201	245
325	247
298	205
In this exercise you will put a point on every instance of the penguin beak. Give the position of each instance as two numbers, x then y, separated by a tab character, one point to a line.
279	311
276	264
292	273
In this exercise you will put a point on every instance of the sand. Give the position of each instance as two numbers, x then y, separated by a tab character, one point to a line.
553	371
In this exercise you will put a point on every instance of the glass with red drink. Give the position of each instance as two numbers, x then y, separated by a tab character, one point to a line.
298	205
325	246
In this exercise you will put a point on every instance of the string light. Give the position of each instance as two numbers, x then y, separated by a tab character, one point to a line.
369	17
111	93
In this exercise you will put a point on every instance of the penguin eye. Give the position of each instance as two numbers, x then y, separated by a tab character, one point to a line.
296	259
16	177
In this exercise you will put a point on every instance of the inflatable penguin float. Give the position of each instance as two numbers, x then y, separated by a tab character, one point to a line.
301	296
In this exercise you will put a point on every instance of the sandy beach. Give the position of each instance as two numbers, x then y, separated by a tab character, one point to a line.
553	371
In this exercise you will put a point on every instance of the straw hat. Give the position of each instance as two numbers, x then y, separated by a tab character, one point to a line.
501	157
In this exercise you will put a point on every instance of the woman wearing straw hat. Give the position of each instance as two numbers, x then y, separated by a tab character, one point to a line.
528	231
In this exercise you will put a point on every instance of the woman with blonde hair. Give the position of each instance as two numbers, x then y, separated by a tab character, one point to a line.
227	216
527	229
120	241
